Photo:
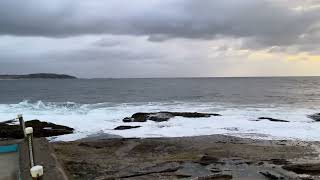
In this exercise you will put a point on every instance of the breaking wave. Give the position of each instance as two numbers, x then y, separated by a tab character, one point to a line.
237	120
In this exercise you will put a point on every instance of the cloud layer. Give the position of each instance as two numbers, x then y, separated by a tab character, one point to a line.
118	33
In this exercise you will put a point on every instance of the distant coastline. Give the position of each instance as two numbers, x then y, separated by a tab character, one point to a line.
37	76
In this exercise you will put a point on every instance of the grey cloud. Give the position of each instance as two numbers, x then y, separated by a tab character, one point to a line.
87	62
265	23
158	38
107	42
93	55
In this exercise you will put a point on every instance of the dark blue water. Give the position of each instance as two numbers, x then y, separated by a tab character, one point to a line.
277	90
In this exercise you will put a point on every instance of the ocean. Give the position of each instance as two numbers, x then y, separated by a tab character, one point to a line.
94	106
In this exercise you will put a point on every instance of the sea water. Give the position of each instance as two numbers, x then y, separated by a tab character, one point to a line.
98	105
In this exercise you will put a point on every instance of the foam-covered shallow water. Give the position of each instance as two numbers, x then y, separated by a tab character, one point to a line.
99	105
236	120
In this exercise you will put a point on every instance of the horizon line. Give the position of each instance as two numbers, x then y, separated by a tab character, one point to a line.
190	77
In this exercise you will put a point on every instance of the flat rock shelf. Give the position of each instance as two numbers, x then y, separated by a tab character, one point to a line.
203	157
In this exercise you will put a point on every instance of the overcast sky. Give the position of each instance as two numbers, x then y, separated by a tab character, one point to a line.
160	38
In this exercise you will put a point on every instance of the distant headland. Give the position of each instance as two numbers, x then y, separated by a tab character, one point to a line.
38	76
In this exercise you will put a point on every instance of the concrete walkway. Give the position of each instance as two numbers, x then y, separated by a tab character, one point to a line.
9	162
9	166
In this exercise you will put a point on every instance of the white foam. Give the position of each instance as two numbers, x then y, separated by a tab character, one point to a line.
236	120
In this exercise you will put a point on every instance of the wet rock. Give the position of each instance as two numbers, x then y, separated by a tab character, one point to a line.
166	167
315	117
279	161
126	127
215	177
215	170
313	169
194	114
272	119
127	119
107	143
40	129
206	160
159	117
270	175
83	169
140	117
190	169
164	116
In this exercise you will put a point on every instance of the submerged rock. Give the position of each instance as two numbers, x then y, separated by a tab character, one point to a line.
315	117
272	119
40	129
126	127
164	116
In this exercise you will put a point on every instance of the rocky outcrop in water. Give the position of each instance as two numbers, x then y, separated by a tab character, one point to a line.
315	117
164	116
40	129
272	119
126	127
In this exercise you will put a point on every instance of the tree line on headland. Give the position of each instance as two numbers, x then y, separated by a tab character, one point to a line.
38	76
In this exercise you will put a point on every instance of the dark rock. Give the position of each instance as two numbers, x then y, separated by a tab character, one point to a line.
12	121
279	161
315	117
270	175
40	129
126	127
193	114
215	177
313	169
128	119
10	131
161	116
140	117
206	160
107	143
164	116
260	163
272	119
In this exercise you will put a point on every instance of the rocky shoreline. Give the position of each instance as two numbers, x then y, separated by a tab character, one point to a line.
219	157
203	157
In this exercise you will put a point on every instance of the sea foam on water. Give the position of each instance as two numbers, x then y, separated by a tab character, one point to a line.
236	120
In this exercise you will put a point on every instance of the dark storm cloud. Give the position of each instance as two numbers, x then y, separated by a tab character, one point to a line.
263	23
